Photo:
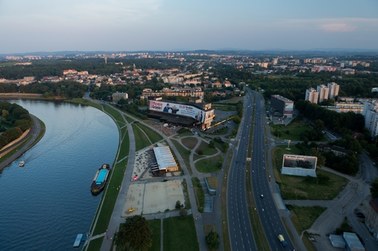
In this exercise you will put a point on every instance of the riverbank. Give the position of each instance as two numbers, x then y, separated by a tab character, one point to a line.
16	150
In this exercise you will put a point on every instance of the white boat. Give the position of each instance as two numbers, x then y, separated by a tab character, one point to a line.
21	163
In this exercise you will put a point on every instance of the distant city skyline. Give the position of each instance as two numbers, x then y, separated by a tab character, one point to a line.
168	25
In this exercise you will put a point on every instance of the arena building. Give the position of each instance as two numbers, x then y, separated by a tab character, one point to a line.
299	165
187	114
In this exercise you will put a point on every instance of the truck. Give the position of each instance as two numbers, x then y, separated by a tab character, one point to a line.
282	240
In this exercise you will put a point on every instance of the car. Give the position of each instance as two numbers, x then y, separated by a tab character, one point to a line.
261	196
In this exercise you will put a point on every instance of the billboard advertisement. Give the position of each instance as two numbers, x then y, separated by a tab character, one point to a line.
179	109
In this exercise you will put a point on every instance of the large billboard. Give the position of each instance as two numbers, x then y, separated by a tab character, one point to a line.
179	109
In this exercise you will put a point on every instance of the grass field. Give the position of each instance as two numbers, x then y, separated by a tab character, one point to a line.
304	217
155	229
180	234
325	187
205	149
224	107
210	165
293	131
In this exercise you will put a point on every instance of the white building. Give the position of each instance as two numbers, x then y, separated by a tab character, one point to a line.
323	92
299	165
312	95
370	113
333	90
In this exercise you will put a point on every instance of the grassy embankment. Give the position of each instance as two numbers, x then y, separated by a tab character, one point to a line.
106	207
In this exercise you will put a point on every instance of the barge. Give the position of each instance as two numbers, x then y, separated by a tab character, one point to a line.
99	181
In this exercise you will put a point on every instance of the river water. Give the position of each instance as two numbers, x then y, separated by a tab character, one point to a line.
44	204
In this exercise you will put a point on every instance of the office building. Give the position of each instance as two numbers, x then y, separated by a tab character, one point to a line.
282	105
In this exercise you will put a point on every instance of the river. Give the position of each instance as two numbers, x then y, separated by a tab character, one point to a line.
47	202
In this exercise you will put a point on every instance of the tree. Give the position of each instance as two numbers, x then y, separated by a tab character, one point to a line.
134	234
212	240
374	188
178	204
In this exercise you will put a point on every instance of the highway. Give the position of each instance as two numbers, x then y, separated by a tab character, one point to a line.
265	205
239	224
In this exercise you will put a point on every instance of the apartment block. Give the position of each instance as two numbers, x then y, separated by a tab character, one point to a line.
333	90
370	113
312	95
323	92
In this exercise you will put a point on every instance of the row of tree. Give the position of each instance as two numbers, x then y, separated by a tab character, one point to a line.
64	89
14	121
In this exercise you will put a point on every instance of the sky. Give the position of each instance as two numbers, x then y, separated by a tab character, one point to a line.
130	25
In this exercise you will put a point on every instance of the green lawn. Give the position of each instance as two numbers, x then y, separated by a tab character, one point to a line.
141	141
326	187
205	149
155	229
184	153
304	217
293	131
152	135
115	114
210	165
189	142
224	107
199	193
180	234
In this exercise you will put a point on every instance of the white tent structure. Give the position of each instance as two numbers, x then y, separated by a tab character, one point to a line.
165	160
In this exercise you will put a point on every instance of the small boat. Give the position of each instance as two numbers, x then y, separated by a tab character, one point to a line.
78	239
99	181
21	163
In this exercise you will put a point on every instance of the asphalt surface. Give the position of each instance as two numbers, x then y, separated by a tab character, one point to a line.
265	206
239	226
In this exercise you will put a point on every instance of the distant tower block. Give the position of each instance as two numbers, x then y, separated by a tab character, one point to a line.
106	59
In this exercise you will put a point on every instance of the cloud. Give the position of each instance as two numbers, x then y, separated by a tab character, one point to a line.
337	27
330	25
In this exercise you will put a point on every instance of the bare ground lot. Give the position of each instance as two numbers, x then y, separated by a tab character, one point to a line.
153	197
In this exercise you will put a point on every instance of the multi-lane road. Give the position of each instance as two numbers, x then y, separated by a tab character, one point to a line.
240	230
239	224
265	205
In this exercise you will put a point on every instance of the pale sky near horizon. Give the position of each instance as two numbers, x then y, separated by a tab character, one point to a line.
129	25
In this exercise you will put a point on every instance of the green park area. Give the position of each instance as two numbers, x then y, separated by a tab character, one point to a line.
209	165
293	131
180	234
325	187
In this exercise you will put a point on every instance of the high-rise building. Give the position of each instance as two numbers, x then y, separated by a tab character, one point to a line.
312	95
333	90
370	113
282	105
323	92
